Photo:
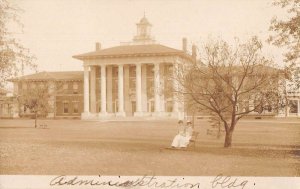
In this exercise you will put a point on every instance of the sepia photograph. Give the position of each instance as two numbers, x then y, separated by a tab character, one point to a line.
150	94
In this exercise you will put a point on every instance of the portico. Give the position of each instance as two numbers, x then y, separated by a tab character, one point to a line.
128	89
132	79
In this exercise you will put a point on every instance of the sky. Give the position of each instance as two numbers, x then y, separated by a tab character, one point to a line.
55	30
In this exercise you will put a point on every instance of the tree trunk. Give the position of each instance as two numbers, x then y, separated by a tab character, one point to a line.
219	130
35	121
228	139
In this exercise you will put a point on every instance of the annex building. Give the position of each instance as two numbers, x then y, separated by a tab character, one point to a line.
6	103
64	93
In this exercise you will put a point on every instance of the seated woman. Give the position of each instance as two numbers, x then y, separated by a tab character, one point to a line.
182	139
188	133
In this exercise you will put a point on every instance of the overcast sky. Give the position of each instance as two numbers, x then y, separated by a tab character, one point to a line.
55	30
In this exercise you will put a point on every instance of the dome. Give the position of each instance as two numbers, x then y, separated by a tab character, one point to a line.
144	20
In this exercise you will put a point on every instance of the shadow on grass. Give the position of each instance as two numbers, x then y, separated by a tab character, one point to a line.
243	150
297	152
118	144
248	152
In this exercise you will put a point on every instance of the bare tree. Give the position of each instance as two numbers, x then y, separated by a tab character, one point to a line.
37	99
230	82
13	56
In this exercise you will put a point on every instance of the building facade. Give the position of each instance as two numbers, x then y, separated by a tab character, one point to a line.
292	93
65	91
293	108
130	79
6	104
133	79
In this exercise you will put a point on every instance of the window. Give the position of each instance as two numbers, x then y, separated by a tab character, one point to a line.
65	86
75	88
5	108
143	31
132	83
99	105
169	106
293	106
151	106
65	107
41	85
115	106
24	86
9	109
76	107
32	85
269	108
133	104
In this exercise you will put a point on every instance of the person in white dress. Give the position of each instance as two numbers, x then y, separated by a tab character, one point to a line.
182	139
180	135
188	134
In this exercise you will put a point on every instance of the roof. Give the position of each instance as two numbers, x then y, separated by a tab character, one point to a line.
132	50
67	75
235	70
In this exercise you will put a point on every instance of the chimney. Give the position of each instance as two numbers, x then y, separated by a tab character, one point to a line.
98	46
194	52
184	44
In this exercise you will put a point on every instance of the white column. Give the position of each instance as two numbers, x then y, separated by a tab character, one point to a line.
127	102
144	89
120	91
103	89
109	89
86	95
156	90
93	89
162	86
138	90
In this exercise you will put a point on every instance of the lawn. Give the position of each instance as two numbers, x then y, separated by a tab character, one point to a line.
260	148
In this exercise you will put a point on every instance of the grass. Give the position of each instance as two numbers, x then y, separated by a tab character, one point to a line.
260	148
